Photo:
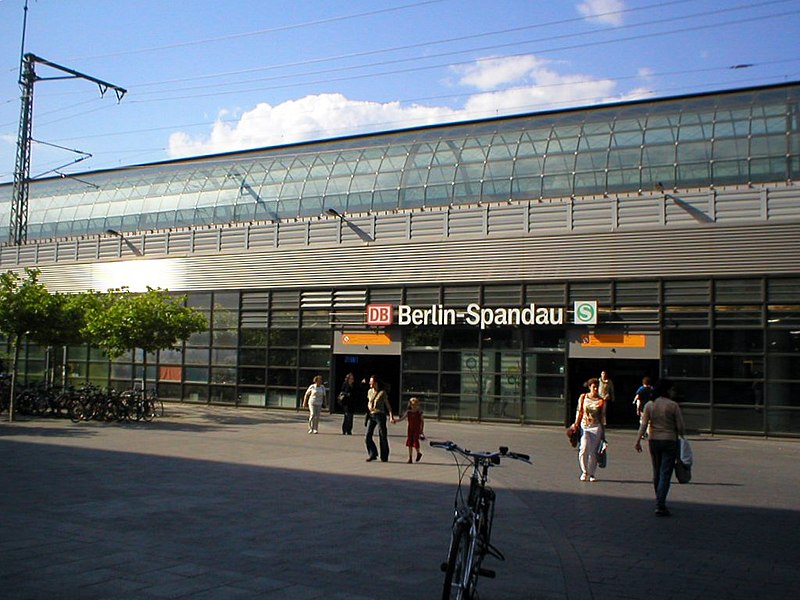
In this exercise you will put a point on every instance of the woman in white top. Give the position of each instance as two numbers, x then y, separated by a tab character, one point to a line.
314	398
591	417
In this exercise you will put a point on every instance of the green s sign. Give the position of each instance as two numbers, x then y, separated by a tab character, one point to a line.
585	312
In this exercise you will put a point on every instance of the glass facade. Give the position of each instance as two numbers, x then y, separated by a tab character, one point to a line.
740	137
730	345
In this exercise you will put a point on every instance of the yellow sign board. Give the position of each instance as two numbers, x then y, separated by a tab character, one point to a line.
613	340
365	339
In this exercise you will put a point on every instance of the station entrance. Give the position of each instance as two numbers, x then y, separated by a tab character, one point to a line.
626	374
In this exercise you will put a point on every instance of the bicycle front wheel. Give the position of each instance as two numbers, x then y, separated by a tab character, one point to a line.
460	574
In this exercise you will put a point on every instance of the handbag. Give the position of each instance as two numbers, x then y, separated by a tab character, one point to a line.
683	472
573	435
602	454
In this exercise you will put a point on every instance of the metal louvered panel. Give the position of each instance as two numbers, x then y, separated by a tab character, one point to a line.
348	307
508	219
27	254
393	228
316	299
46	253
179	242
428	224
639	212
468	221
359	229
666	253
781	204
293	233
323	231
156	242
86	249
66	250
592	213
261	235
254	311
549	216
350	299
206	240
232	239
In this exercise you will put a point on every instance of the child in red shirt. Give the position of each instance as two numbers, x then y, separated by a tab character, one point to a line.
416	424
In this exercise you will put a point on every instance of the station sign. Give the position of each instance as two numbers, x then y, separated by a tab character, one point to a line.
385	315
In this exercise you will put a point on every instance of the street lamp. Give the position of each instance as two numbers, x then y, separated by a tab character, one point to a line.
128	243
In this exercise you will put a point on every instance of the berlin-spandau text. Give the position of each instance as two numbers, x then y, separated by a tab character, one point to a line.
475	314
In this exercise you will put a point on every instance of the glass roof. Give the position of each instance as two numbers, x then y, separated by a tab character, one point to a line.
740	137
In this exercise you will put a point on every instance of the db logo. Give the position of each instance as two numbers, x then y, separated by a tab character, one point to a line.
380	314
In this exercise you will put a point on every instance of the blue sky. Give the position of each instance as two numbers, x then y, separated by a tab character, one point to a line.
208	76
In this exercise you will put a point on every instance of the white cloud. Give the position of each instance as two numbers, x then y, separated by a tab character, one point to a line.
509	85
489	73
597	10
311	117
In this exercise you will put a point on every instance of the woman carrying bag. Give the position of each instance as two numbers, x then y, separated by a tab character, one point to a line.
591	418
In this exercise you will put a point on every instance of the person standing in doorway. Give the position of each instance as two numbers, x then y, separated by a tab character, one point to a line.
591	418
663	418
605	387
346	401
379	410
314	399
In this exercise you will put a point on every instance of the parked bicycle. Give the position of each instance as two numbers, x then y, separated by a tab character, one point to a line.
472	523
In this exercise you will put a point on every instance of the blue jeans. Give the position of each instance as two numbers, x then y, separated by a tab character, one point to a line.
663	453
379	421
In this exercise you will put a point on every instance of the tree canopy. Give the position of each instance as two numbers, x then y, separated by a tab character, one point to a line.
116	321
120	320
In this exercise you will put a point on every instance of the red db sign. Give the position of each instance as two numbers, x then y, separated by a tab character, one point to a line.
380	314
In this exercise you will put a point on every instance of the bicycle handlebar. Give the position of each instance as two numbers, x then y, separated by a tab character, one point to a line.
494	457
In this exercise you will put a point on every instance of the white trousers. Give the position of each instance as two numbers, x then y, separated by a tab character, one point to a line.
313	417
587	454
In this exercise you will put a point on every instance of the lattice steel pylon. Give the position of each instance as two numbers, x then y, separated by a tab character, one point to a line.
18	229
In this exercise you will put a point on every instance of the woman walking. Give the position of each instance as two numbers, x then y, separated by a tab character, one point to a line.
314	399
591	418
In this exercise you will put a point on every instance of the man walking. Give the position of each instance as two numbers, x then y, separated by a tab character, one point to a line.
664	419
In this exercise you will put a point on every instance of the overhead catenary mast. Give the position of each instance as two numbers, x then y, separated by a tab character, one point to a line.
18	230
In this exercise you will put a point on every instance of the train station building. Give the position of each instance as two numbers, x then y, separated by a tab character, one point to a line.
487	267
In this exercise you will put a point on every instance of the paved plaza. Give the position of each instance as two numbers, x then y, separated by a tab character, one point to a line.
225	503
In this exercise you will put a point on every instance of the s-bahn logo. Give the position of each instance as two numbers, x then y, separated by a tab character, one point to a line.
380	315
586	312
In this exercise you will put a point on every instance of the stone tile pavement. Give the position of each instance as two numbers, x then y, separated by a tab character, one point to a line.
223	503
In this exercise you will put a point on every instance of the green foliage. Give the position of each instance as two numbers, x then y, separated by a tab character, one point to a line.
25	305
120	320
116	321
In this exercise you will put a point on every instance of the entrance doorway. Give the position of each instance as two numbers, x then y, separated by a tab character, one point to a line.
363	366
626	374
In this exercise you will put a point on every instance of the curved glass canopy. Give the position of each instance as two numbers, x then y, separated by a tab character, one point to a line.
740	137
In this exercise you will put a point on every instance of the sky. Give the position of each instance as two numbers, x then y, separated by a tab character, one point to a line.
204	77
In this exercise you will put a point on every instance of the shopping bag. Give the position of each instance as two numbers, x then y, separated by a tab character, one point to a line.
683	472
602	454
686	456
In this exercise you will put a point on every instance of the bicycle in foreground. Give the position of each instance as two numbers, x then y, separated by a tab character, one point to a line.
470	540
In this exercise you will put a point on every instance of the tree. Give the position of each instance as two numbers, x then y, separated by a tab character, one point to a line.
120	321
115	321
26	308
